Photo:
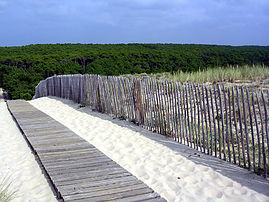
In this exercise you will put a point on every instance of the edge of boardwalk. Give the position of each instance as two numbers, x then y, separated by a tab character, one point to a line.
44	171
27	116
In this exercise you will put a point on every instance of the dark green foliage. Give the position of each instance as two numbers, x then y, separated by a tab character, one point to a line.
21	68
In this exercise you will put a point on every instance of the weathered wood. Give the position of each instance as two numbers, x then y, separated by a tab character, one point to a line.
198	113
205	110
188	115
100	189
115	196
257	130
214	123
266	125
246	126
241	126
192	129
194	115
235	125
182	114
227	125
70	161
262	134
230	125
218	119
167	109
209	120
222	123
175	108
202	120
185	114
159	103
179	112
252	131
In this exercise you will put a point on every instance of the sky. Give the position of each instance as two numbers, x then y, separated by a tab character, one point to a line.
226	22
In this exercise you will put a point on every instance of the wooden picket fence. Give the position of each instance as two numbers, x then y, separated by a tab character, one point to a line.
229	123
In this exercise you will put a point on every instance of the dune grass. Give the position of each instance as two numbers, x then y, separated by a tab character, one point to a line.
217	74
6	194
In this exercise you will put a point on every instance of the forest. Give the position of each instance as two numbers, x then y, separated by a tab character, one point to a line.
22	67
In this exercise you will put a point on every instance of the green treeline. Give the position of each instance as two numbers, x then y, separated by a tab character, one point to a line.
21	68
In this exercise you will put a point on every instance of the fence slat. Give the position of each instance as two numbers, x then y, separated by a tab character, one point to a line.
262	133
192	133
204	109
188	115
209	121
230	124
227	125
179	112
214	122
194	116
246	129
198	113
202	120
218	121
222	123
241	126
252	131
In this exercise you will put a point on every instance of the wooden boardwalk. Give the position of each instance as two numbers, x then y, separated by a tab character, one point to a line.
77	170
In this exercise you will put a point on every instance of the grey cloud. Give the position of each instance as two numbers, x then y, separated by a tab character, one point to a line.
182	21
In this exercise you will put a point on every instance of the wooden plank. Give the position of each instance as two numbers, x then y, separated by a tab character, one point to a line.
214	121
202	119
185	114
188	116
74	155
222	123
266	122
246	125
120	195
230	124
93	176
235	125
144	197
226	123
198	113
209	121
182	114
71	162
218	120
241	126
252	131
99	188
84	168
262	134
194	116
205	110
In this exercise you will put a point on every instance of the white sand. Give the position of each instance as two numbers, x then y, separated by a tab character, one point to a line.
18	163
153	163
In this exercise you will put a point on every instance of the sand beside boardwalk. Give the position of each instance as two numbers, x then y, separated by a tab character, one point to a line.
18	163
171	175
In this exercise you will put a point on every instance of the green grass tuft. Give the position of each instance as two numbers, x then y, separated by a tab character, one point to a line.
6	195
213	75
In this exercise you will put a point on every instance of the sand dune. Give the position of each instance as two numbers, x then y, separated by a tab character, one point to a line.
19	164
171	175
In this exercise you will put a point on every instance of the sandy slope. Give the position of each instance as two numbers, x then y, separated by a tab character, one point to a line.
171	175
19	164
